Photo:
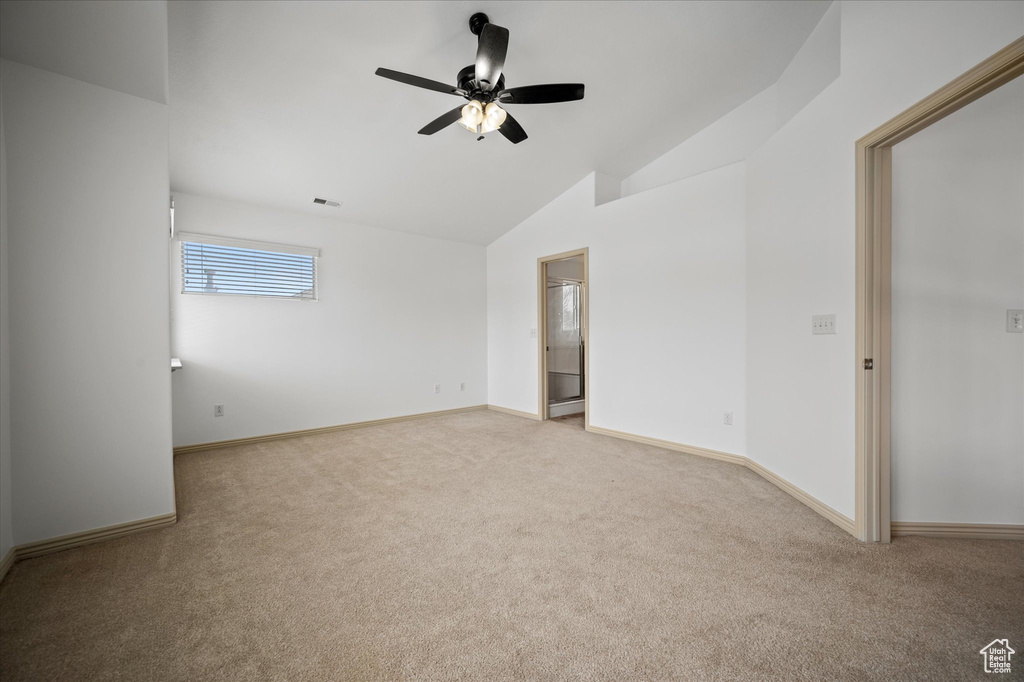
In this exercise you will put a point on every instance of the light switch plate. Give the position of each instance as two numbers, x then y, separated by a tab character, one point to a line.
823	324
1015	321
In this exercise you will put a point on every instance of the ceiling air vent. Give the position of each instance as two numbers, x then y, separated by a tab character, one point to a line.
326	202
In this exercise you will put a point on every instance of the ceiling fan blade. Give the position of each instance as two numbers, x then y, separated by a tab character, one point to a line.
542	94
442	121
490	55
426	83
511	129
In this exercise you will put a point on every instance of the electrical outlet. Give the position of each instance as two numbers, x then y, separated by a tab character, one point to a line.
823	324
462	386
727	419
1015	321
437	388
218	410
533	333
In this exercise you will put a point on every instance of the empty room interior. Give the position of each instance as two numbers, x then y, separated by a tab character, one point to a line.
511	340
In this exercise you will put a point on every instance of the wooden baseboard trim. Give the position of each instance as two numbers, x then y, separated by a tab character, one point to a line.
7	562
30	550
58	544
971	531
670	445
215	445
840	520
515	413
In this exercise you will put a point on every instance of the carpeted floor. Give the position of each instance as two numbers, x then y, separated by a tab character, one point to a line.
577	420
484	546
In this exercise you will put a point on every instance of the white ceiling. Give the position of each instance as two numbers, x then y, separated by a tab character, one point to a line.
273	103
111	43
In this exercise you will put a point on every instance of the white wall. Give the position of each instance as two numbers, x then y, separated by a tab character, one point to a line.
958	265
6	531
667	302
800	228
397	314
729	140
738	134
799	243
87	188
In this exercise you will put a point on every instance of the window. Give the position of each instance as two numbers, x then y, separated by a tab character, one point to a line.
570	307
219	265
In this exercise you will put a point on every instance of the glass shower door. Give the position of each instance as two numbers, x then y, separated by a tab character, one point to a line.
565	342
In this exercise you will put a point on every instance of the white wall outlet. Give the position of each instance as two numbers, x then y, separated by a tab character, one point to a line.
727	418
437	388
533	333
1015	321
823	324
462	386
218	410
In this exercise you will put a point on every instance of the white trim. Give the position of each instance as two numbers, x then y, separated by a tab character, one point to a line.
247	244
216	445
841	520
85	537
973	531
514	413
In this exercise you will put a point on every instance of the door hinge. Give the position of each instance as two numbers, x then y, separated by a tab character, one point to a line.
869	363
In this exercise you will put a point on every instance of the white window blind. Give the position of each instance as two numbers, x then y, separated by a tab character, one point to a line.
220	265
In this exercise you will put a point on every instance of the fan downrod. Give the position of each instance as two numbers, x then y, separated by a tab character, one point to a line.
477	23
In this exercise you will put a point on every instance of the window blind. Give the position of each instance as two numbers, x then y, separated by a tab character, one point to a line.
220	265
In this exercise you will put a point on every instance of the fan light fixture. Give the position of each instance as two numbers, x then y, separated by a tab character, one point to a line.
482	85
478	119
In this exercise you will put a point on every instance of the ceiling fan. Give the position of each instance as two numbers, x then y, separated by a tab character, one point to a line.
483	84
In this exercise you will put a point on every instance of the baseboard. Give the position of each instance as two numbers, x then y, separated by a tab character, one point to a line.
58	544
30	550
972	531
670	445
199	447
7	562
516	413
840	520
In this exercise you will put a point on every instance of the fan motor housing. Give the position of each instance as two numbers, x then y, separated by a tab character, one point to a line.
467	82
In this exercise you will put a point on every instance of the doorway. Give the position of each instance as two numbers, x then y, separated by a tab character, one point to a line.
562	338
874	286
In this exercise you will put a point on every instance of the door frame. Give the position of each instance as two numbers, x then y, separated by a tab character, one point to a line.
542	330
874	278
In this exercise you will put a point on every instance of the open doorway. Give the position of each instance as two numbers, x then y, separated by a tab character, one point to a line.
562	337
874	298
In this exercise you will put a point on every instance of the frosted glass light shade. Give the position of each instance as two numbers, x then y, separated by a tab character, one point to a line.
494	116
479	119
472	115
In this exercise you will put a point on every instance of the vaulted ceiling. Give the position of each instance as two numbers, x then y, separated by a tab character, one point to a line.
274	103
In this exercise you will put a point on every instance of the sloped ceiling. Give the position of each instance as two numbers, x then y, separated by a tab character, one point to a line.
272	103
111	43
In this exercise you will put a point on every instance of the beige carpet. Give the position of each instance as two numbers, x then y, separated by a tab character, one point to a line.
484	546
